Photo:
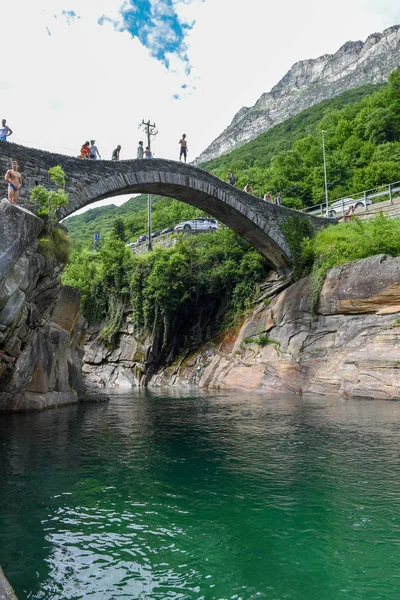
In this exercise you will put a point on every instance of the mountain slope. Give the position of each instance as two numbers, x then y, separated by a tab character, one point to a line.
309	82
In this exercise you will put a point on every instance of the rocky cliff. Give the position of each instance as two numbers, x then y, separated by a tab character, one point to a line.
41	331
309	82
351	347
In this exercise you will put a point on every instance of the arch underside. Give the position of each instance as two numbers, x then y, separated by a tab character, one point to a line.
239	216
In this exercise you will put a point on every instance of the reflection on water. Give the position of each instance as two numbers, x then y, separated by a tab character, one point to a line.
202	495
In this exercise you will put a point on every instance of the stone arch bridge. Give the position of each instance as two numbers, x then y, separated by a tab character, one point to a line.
88	181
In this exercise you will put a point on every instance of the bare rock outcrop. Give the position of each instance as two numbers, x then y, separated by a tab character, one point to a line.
351	347
309	82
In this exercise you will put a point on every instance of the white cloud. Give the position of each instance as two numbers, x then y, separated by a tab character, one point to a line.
89	81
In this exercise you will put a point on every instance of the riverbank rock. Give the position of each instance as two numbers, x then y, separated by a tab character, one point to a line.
350	347
41	331
6	591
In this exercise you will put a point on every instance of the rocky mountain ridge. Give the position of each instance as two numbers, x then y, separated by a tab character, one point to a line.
309	82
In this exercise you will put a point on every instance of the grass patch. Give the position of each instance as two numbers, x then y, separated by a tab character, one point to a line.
262	339
56	244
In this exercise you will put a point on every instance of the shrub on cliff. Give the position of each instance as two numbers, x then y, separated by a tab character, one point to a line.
56	244
49	201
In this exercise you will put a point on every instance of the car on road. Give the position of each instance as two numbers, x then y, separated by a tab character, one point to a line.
168	230
198	224
142	238
155	234
338	208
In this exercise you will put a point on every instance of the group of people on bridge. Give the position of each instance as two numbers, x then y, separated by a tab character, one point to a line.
232	180
89	150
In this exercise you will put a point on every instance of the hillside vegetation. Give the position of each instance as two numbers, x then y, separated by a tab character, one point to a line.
362	148
187	292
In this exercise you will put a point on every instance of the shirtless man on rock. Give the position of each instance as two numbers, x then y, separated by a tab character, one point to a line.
14	179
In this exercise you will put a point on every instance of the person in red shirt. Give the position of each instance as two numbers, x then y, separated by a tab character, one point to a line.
85	150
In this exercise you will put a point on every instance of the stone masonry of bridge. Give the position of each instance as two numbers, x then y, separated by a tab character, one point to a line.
88	181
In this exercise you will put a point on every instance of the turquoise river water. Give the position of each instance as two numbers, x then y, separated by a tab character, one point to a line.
202	495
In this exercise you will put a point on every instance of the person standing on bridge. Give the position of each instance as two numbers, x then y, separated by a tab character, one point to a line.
93	150
85	150
140	151
231	178
5	131
14	180
184	148
278	199
247	188
268	197
115	154
148	153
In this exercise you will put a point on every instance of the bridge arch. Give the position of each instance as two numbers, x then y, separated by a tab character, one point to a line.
260	223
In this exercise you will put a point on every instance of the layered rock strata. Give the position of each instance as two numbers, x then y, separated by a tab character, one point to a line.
41	331
309	82
351	347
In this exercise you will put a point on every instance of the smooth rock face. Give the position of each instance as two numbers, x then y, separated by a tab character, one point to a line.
309	82
350	348
18	230
41	332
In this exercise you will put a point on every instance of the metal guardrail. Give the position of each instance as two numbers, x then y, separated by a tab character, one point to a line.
365	197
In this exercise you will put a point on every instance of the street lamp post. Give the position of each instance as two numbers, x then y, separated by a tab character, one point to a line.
150	130
325	177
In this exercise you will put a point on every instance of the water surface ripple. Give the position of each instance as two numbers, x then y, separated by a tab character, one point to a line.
202	496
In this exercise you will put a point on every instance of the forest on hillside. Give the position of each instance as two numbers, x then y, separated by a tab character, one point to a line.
362	148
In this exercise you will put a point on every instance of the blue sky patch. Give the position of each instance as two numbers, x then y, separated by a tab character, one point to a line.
158	27
69	15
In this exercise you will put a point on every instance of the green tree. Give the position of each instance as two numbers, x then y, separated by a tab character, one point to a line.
49	201
119	229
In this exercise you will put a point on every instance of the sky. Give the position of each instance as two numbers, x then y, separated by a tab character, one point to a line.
74	70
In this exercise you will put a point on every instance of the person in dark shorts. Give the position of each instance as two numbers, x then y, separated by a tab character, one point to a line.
93	150
184	149
115	154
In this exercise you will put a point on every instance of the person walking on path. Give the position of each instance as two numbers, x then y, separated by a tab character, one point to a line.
184	148
140	151
93	150
5	131
14	180
268	197
148	153
85	150
247	188
115	154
